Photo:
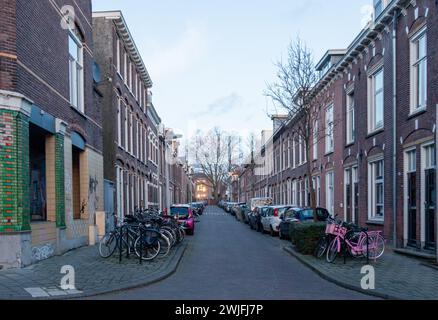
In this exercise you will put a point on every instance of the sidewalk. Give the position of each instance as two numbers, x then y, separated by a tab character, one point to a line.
397	276
94	275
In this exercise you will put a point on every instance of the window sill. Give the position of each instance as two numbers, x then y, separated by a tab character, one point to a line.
328	153
375	132
79	112
417	113
349	144
375	222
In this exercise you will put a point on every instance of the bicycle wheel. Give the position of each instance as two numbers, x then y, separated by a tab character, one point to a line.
321	247
181	234
164	245
149	252
332	251
376	246
169	235
107	245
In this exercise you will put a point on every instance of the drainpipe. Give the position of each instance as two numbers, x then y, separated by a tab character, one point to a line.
394	127
436	211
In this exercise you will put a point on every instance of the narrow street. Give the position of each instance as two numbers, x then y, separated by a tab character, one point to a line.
227	260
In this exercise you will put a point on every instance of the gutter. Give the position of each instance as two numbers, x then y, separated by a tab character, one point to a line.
394	127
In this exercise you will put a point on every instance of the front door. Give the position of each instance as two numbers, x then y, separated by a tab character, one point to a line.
348	198
429	207
411	200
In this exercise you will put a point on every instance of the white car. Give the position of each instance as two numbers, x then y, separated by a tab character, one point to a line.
271	219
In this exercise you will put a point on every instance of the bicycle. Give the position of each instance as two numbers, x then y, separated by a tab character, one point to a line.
325	239
358	241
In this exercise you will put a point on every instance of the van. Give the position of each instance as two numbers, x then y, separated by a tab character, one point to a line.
259	202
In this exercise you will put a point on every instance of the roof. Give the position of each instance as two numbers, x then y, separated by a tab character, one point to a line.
123	30
327	55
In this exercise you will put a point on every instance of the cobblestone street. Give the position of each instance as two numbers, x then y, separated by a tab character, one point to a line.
93	274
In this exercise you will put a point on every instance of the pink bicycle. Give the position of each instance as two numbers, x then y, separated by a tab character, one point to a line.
358	241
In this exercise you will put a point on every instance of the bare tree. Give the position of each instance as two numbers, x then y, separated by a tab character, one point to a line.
215	154
295	92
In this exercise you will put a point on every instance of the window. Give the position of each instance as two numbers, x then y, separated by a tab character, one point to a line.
118	62
419	72
131	132
375	101
376	193
119	120
126	125
76	184
430	157
378	8
294	152
125	67
300	150
315	140
350	125
329	141
330	194
294	192
76	72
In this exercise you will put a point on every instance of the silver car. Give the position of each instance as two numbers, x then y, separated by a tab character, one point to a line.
271	220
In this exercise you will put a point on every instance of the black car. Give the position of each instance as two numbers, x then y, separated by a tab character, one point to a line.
299	215
255	222
198	207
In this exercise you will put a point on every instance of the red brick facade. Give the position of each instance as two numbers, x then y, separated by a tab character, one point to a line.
373	49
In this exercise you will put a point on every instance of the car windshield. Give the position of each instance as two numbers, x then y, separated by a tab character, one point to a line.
307	214
289	214
182	212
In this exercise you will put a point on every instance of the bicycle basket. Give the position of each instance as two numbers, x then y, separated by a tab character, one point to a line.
336	230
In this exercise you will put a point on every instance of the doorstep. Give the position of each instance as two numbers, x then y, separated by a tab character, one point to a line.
415	253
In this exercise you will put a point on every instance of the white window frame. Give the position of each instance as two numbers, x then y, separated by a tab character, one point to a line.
118	55
330	192
373	92
119	121
372	186
76	74
315	139
329	130
350	123
416	65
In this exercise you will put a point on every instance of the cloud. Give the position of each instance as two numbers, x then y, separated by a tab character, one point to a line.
221	106
180	57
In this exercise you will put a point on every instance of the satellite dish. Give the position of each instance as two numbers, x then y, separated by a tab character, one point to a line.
97	76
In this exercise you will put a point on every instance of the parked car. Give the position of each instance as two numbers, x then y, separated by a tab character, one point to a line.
255	218
259	202
246	214
229	207
184	214
270	219
299	215
198	207
240	211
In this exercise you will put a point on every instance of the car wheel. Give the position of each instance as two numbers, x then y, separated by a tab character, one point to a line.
271	232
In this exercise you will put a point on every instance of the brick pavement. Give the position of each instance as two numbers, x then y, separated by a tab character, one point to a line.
93	274
396	276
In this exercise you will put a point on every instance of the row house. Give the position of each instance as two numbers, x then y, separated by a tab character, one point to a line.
130	121
376	164
51	163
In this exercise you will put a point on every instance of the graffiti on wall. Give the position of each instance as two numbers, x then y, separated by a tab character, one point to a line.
42	252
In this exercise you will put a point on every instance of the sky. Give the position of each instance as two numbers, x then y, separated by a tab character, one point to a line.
210	60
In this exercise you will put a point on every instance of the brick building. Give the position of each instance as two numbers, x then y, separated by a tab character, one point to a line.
51	162
130	121
377	162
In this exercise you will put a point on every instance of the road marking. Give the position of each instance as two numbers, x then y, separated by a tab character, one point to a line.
50	292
